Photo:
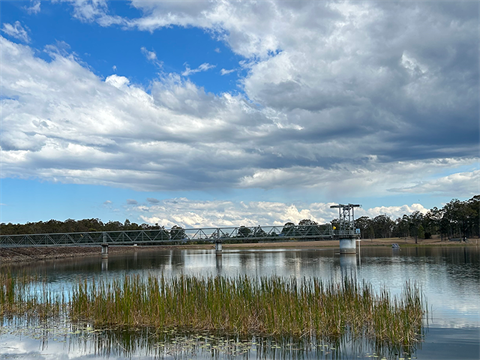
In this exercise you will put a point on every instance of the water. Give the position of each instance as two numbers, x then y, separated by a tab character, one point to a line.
448	276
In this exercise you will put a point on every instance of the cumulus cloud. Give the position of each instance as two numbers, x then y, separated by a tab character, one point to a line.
130	137
16	31
379	67
219	213
153	200
354	98
132	202
191	213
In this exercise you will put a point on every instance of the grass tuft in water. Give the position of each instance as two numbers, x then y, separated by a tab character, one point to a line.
270	306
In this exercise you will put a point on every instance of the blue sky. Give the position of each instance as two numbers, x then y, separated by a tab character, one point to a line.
235	113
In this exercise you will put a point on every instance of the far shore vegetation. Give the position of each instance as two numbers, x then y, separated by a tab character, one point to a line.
457	219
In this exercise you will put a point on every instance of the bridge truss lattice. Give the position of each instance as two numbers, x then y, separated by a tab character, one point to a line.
174	235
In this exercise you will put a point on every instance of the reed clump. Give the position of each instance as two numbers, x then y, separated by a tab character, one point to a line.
24	296
242	305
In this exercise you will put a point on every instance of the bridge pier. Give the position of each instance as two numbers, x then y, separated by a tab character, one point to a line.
348	246
104	251
218	248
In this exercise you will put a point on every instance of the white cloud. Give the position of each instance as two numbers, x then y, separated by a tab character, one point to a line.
203	67
16	31
35	8
340	98
89	10
151	56
194	214
455	185
191	213
226	72
393	212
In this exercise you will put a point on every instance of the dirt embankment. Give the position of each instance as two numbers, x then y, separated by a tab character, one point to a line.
28	254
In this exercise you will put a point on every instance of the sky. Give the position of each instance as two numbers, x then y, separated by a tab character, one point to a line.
228	113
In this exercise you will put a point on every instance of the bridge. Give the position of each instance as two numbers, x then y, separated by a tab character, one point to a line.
178	235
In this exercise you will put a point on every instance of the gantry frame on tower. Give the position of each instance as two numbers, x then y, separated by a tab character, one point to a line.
346	219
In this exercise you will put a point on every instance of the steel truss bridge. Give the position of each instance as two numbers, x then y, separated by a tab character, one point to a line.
176	236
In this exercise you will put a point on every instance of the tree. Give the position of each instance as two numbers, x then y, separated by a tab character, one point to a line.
288	229
402	227
474	205
177	233
415	221
259	232
432	222
460	217
363	223
383	226
243	231
308	227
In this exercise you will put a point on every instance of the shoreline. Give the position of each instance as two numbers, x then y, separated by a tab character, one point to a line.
33	254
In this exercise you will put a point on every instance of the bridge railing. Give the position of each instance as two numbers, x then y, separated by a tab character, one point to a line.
174	235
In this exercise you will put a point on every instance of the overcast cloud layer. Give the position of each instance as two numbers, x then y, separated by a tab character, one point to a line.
348	97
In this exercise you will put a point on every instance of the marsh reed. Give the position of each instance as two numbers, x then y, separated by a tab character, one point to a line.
270	306
26	296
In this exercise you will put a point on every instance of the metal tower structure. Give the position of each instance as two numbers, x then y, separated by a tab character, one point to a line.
346	218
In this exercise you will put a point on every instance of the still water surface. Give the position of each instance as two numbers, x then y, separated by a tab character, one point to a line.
448	276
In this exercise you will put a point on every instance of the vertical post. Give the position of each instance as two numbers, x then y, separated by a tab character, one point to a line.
104	246
218	248
104	251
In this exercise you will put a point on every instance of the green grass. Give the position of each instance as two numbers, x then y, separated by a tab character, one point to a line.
242	305
25	296
270	306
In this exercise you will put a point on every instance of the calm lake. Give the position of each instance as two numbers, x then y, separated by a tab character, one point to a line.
448	276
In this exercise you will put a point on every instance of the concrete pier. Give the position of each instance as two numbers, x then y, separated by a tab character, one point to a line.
104	251
348	246
218	248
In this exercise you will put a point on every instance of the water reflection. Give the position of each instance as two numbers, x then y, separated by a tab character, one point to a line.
448	276
104	264
348	265
85	342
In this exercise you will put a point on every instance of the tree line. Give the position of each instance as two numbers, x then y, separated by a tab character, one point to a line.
455	220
